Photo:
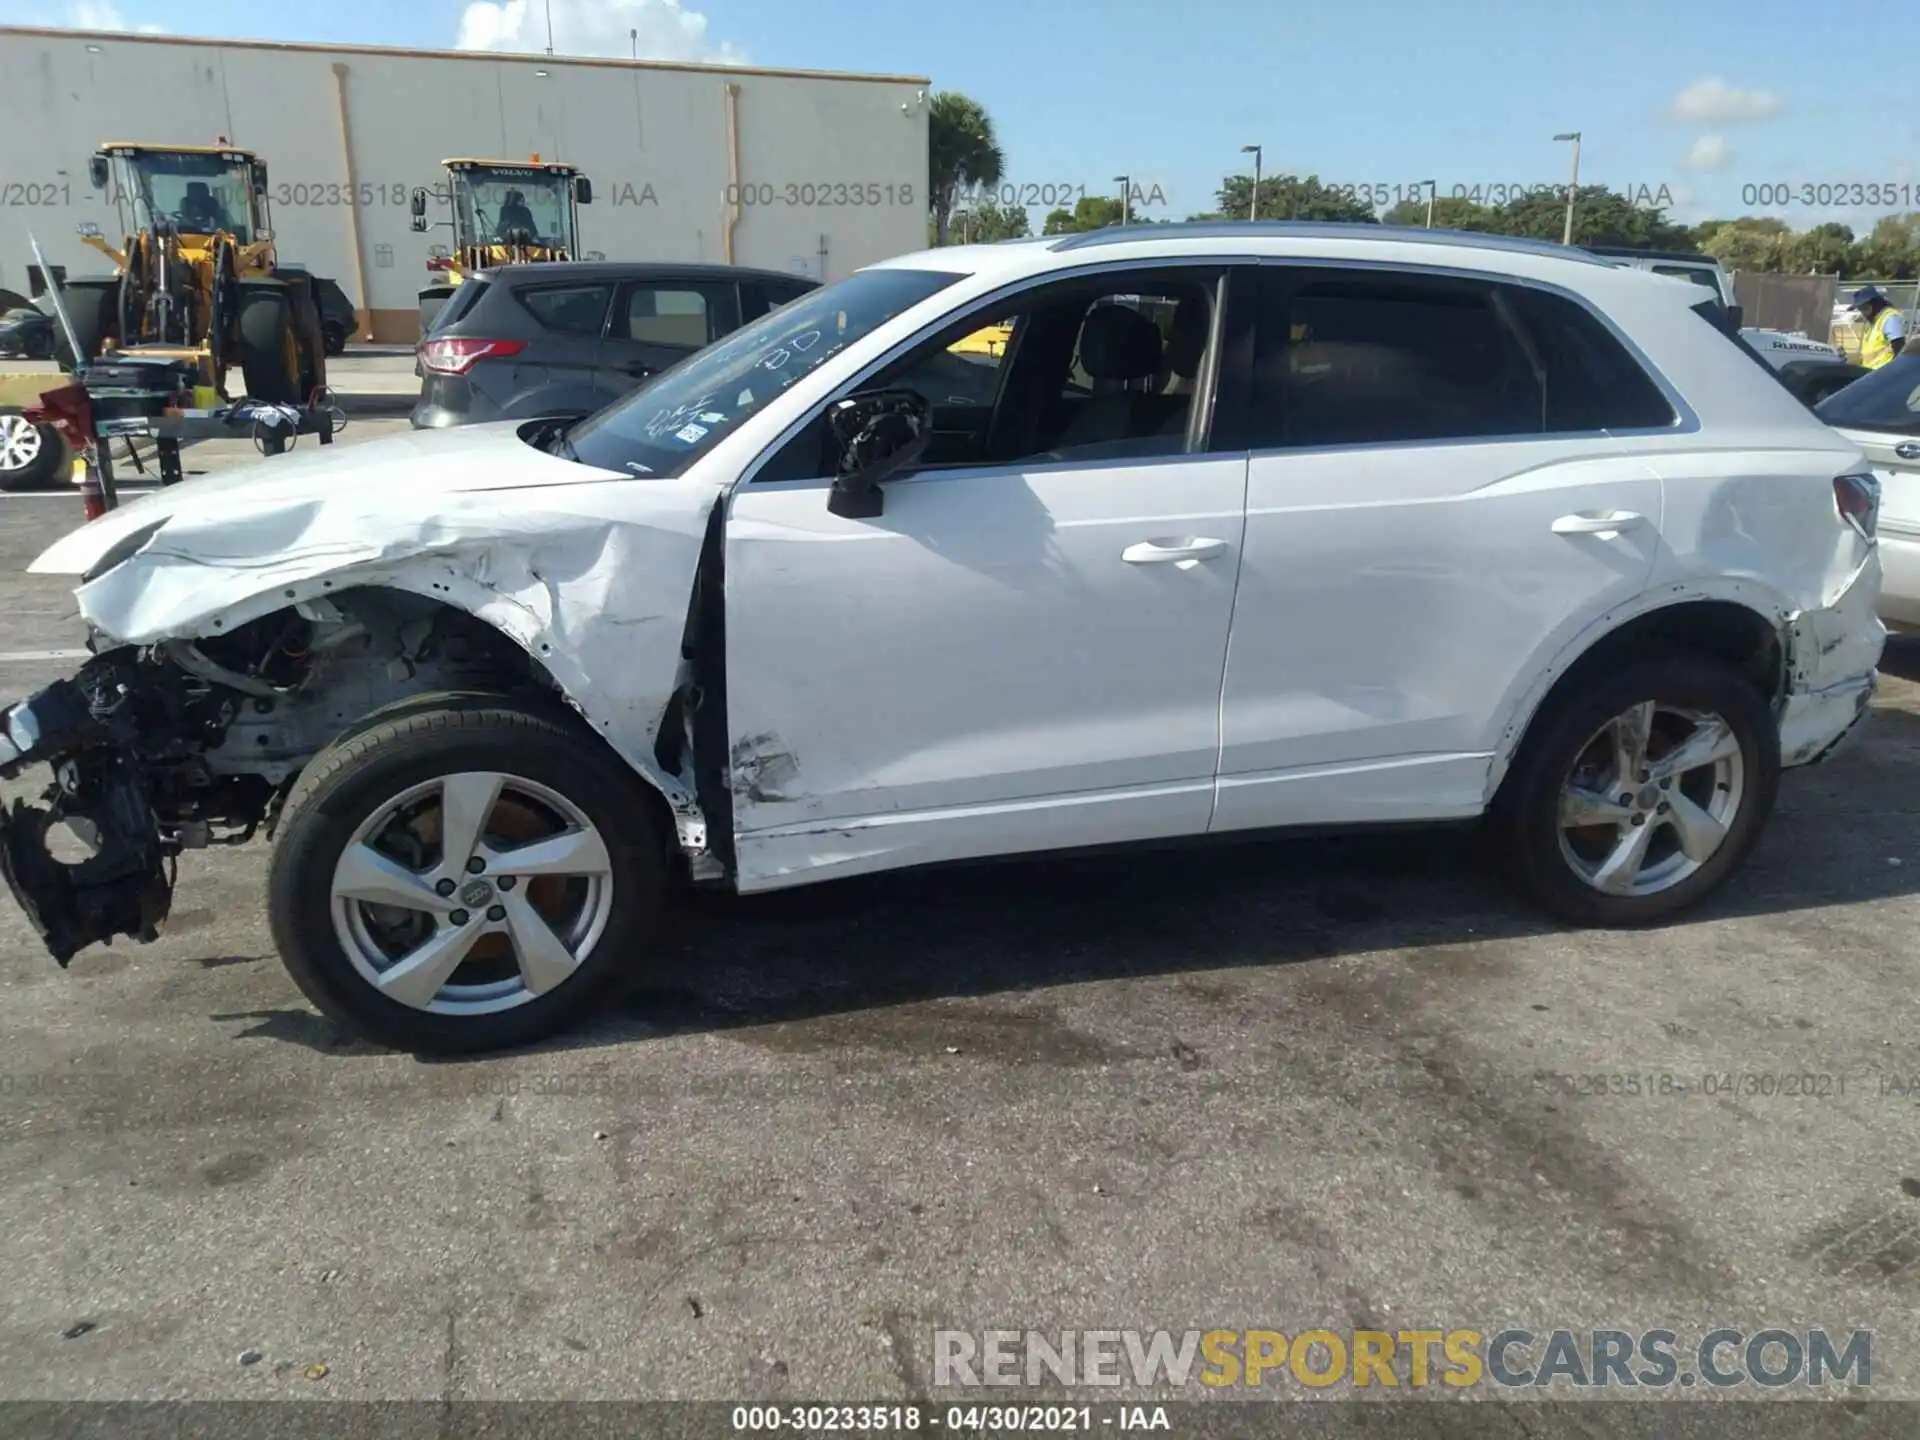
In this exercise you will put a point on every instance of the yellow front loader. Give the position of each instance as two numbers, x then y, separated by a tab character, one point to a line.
196	277
503	212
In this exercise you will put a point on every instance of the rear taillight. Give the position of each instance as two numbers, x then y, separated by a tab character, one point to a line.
1857	497
455	355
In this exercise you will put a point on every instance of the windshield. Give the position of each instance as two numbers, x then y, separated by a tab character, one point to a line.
199	194
496	201
666	425
1883	399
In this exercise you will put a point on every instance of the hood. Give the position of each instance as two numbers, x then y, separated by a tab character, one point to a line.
394	476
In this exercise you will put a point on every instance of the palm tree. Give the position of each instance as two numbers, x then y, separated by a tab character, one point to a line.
961	153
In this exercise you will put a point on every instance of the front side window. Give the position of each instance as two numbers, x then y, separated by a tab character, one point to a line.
667	424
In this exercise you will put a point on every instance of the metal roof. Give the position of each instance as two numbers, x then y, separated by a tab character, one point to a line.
1321	230
153	147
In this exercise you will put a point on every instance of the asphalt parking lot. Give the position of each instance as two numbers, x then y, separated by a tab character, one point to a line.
1284	1084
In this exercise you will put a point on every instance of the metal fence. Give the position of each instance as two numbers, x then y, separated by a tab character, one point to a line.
1816	305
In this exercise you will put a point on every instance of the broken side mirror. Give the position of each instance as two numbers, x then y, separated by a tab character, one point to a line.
420	209
582	190
878	434
97	171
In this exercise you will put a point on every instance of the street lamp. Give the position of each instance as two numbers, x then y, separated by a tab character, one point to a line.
1573	190
1253	205
1433	193
1125	182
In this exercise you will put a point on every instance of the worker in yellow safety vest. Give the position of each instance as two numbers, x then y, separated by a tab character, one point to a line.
1886	331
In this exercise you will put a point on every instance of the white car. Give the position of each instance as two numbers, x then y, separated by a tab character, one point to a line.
1367	527
1880	412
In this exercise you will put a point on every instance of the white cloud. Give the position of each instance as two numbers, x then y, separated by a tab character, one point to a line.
1712	101
661	29
1709	152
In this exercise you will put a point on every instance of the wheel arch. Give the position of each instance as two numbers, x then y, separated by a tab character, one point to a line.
1740	622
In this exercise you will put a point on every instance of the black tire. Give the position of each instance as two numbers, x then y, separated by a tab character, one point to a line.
266	318
1525	817
40	347
311	341
336	337
50	464
350	780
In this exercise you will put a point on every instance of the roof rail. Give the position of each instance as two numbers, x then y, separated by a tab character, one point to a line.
1320	230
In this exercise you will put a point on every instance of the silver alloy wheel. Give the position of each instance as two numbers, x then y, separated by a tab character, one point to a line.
485	924
1650	798
20	442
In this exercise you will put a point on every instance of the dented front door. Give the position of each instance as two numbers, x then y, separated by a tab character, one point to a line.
1008	659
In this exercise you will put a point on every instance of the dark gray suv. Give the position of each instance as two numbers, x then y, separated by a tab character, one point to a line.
525	340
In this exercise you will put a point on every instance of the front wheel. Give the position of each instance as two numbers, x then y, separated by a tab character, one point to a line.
1637	794
465	878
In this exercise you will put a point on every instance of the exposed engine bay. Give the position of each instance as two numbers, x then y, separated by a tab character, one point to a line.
186	744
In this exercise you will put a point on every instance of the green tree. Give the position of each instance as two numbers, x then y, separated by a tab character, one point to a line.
961	153
1824	250
1286	197
1752	243
1450	212
981	220
1891	250
1090	212
1600	217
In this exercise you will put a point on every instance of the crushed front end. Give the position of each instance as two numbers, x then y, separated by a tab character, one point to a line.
126	740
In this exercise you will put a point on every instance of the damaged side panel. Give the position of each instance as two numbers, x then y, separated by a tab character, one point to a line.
596	596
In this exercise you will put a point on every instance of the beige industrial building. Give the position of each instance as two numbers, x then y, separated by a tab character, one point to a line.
802	171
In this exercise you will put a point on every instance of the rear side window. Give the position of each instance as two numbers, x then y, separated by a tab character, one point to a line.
569	309
1589	381
1358	359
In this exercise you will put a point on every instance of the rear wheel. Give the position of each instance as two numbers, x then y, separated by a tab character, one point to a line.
1641	791
464	878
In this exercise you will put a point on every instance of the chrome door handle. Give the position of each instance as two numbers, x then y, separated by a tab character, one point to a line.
1184	553
1907	450
1605	523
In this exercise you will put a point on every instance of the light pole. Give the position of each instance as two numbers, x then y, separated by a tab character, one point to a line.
1253	205
1573	190
549	27
1125	182
1433	193
633	39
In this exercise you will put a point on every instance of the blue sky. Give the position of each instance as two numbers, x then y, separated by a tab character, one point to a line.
1703	99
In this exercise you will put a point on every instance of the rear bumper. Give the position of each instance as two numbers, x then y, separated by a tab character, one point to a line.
1832	659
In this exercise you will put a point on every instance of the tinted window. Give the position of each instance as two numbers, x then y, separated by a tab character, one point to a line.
1590	380
571	309
681	315
465	296
1354	359
668	423
1103	368
1884	399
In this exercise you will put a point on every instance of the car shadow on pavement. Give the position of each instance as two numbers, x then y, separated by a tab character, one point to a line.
1902	657
730	962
